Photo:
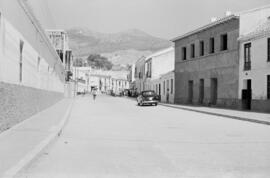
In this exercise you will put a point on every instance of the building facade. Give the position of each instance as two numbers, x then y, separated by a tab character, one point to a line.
140	75
131	77
207	64
31	73
104	81
60	41
159	74
167	91
254	64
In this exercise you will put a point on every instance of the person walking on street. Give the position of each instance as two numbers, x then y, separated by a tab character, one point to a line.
94	94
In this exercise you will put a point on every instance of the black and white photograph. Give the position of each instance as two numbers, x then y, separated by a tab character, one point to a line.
134	89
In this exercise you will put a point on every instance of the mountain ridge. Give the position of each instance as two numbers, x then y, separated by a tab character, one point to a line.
129	43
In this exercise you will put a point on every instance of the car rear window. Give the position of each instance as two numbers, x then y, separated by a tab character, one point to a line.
148	93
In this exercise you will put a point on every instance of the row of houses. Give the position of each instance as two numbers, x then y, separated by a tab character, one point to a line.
32	73
88	78
225	63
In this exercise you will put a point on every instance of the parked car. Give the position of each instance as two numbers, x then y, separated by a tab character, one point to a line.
147	97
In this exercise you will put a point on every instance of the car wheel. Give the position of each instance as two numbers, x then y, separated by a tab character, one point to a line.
156	104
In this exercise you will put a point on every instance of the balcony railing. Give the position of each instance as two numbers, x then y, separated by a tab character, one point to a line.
247	65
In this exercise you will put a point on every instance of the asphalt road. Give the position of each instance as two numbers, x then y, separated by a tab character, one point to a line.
114	138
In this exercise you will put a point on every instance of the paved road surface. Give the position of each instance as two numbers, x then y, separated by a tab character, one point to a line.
115	138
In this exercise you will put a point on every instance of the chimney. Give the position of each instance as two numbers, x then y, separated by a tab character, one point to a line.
213	19
228	13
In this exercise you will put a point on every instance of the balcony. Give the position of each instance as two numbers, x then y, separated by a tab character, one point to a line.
247	65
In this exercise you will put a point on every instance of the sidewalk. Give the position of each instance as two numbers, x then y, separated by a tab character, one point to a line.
261	118
20	144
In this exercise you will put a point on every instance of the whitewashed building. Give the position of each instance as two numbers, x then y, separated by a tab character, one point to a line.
159	74
254	63
88	78
140	74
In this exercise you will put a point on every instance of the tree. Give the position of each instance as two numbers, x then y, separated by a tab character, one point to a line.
98	61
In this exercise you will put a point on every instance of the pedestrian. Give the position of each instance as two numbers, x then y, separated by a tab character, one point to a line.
167	96
94	94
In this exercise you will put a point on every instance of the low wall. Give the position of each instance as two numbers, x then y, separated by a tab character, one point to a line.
261	105
18	103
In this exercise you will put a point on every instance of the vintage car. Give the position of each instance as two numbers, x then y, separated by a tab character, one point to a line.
147	97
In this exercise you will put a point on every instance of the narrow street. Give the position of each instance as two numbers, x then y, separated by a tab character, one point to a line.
113	137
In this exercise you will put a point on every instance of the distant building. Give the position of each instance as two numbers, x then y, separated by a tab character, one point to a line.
140	74
60	41
207	64
254	64
88	78
131	76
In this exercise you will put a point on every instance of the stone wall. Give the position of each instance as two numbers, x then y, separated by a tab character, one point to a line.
18	103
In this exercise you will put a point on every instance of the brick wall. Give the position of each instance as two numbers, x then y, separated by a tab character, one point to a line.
18	103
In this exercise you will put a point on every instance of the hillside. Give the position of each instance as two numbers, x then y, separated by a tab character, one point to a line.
121	48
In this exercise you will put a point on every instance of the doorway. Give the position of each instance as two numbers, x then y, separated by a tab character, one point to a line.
214	91
201	91
190	91
247	94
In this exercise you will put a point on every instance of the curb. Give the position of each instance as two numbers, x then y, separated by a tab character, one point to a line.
221	115
56	132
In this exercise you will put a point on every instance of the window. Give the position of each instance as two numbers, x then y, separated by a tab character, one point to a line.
171	86
149	69
268	49
184	53
268	86
21	62
212	45
164	87
201	48
224	42
136	72
247	60
192	50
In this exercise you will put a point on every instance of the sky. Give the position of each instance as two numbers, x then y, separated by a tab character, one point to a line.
162	18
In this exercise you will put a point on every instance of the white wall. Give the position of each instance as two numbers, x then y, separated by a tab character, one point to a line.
162	62
41	77
169	89
260	68
250	20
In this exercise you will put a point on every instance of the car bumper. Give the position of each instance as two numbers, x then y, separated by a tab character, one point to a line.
150	102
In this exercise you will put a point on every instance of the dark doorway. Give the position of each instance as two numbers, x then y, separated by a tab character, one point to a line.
190	91
201	93
247	95
159	88
214	91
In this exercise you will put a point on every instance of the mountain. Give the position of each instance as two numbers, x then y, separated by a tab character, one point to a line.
121	48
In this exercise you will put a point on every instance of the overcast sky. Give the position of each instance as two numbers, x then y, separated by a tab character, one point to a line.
163	18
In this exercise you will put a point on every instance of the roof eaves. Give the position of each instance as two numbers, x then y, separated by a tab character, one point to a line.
222	20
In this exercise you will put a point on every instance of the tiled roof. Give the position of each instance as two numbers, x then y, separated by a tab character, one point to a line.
261	30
